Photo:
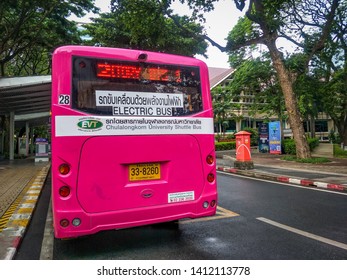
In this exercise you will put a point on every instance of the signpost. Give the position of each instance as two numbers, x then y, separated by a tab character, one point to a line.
263	143
275	137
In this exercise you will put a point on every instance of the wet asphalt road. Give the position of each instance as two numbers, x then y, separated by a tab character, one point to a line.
247	235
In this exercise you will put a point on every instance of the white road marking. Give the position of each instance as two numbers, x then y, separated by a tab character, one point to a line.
304	233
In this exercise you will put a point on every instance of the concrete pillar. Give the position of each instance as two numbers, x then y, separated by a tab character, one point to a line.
2	143
2	140
32	151
27	138
11	131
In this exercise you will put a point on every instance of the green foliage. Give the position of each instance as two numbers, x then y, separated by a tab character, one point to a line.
223	106
30	30
334	99
243	31
144	25
289	146
225	138
222	146
307	89
41	132
318	160
338	152
256	78
313	143
334	137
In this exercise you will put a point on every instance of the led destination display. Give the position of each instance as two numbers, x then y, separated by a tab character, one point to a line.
120	71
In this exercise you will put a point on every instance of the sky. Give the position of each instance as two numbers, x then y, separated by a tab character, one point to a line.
218	24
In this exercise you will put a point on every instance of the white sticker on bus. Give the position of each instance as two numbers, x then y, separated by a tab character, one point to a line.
107	126
180	197
131	103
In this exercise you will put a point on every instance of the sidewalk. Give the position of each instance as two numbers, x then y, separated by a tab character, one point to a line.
21	182
332	175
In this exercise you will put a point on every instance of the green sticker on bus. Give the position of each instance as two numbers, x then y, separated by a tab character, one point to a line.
90	124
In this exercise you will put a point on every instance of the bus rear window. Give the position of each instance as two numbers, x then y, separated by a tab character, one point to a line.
123	88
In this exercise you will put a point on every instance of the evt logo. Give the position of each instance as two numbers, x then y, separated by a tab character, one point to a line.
89	124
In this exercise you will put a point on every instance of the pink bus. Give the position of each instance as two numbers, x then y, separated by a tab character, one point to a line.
132	140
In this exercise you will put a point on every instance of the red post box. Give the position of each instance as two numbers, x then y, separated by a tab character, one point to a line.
243	146
243	150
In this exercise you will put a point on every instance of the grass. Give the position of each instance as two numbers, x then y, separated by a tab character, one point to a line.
314	160
338	152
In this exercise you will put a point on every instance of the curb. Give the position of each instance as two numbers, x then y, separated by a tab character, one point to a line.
12	235
284	179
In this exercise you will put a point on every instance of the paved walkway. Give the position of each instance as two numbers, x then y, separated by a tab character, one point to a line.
21	182
14	176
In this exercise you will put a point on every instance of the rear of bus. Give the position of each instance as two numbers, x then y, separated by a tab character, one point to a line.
132	140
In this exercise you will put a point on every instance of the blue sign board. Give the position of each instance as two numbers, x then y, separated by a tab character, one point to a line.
275	137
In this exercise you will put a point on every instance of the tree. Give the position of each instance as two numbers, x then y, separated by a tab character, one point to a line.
256	77
331	71
223	106
32	29
335	102
143	25
306	23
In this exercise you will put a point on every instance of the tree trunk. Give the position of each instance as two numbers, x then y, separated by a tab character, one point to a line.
312	126
302	148
342	130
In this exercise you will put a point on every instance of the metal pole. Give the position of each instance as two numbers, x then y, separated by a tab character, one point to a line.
11	136
27	138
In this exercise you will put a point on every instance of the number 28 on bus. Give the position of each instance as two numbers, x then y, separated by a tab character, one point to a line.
132	140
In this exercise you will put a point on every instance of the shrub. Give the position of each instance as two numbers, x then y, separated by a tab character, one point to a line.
224	137
313	143
289	146
338	152
222	146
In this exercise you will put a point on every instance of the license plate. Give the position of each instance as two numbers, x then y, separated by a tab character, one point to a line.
144	171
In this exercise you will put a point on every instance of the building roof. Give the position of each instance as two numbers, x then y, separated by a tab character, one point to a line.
218	75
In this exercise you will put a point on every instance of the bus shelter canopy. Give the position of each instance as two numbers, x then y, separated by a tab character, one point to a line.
28	98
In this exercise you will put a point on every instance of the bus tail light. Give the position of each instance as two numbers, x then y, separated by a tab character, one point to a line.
210	159
210	178
206	204
64	169
64	191
64	222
